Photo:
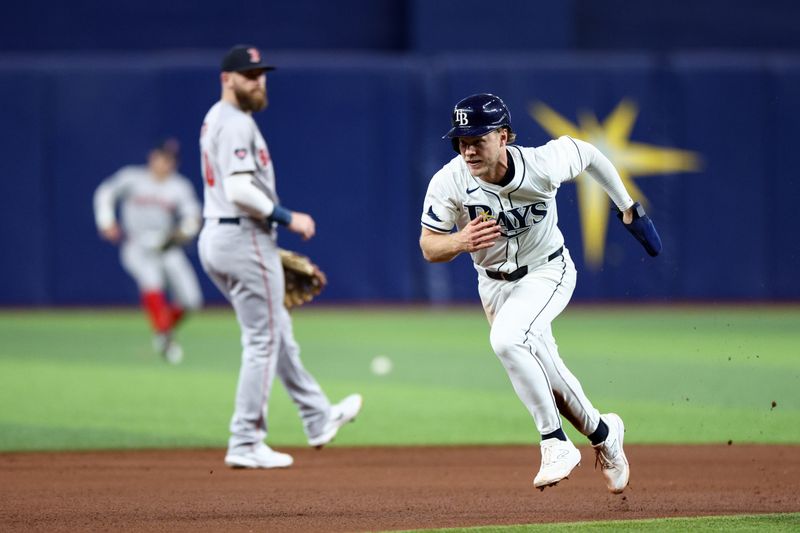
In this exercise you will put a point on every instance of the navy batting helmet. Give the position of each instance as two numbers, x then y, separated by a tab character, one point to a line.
477	115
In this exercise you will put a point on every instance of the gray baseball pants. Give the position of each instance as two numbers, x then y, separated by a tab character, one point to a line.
156	270
242	260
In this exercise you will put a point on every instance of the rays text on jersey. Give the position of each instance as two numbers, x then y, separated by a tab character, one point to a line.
513	222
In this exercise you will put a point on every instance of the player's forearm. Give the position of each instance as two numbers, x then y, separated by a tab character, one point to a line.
104	207
439	247
240	190
603	171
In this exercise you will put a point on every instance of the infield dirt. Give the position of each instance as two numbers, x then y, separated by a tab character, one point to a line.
369	489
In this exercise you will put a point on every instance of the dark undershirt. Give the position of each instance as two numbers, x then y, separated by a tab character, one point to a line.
509	171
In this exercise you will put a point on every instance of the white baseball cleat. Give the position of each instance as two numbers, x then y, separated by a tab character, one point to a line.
258	456
341	413
160	342
174	353
559	458
611	456
170	350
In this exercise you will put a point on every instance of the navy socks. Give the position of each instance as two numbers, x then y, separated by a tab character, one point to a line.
600	433
557	434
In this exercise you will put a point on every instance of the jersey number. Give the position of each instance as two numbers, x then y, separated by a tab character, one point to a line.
208	170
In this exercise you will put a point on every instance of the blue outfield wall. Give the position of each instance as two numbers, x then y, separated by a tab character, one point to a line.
415	26
355	139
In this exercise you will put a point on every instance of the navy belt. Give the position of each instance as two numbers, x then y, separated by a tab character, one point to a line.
237	221
521	271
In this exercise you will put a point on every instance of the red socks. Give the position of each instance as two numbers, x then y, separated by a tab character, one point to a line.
162	316
177	315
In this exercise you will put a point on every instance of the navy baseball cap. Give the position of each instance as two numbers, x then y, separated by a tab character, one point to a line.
169	146
244	57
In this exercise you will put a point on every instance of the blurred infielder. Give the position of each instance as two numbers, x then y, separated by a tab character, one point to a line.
497	202
160	212
238	250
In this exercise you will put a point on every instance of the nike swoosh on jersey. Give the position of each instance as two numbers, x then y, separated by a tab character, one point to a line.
470	191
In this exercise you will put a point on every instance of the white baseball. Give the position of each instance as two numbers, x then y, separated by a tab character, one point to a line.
381	365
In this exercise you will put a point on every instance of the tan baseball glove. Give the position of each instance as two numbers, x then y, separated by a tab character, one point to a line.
304	279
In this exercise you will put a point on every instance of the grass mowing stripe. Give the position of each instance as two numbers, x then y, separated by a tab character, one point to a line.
86	379
773	523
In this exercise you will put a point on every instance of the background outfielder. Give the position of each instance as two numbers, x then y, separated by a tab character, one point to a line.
238	250
160	212
497	201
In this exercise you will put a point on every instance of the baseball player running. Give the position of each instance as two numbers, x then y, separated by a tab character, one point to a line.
238	251
496	201
160	212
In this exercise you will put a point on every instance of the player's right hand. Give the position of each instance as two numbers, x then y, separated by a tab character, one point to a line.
479	234
303	225
111	233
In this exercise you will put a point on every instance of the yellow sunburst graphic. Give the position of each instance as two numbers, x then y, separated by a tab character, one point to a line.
631	159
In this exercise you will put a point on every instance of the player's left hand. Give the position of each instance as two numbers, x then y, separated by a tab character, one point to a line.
176	238
627	215
303	279
642	228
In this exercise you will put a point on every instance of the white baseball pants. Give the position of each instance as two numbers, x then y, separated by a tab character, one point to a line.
520	313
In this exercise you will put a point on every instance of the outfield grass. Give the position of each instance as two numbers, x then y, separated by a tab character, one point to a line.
734	524
88	379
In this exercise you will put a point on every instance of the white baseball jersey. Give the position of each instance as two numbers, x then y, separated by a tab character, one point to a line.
525	208
230	143
151	210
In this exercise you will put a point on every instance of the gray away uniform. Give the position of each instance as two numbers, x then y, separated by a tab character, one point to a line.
150	212
240	255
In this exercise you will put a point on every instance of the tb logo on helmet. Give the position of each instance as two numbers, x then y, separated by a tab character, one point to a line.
477	115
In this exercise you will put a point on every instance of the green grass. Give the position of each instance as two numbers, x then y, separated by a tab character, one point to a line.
737	524
79	379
